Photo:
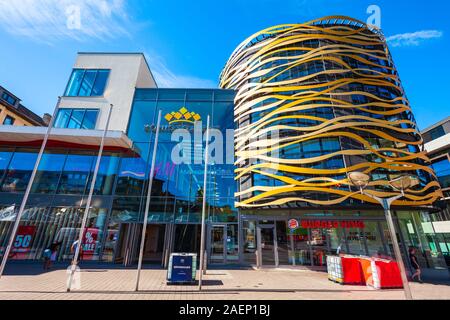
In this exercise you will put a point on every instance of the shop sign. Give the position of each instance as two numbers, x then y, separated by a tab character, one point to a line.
90	241
293	224
324	224
24	236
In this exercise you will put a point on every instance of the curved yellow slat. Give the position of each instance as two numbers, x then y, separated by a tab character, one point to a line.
353	58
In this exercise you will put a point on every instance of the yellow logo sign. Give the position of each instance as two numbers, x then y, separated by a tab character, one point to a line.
182	115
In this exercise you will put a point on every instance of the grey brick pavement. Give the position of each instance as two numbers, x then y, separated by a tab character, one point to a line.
99	283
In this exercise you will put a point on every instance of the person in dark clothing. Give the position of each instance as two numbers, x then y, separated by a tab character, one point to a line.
415	264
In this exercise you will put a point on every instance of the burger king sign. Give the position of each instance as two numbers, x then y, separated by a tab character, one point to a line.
293	224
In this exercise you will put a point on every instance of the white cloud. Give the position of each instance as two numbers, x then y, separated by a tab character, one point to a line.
413	39
165	78
50	20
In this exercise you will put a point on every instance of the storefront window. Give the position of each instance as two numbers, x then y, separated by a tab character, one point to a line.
302	250
75	174
126	209
249	245
355	241
41	228
232	242
419	232
132	174
5	157
375	245
283	243
111	239
319	246
19	172
106	175
48	174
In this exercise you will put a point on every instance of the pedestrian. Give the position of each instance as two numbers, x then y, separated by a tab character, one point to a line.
50	255
54	254
47	255
415	265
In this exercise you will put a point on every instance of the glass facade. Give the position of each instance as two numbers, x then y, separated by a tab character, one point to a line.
76	118
58	195
318	100
315	101
87	83
442	169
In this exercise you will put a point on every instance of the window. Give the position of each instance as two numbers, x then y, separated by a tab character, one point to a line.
75	174
12	101
87	83
19	172
437	133
442	169
76	118
9	121
49	171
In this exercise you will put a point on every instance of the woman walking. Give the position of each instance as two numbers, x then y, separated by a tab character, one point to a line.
415	265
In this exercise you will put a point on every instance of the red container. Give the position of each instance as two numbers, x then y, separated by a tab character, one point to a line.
389	274
353	273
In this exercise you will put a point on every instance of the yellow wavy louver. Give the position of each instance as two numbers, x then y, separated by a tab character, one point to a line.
281	90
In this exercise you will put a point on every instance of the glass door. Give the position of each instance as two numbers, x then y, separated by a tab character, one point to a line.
218	244
267	246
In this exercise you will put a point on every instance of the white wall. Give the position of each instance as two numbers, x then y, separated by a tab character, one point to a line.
438	144
128	72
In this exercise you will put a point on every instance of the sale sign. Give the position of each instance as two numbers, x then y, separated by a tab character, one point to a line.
90	241
24	237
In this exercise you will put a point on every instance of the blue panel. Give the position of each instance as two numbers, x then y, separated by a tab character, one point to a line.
76	119
63	117
74	83
90	119
19	172
75	174
88	83
100	83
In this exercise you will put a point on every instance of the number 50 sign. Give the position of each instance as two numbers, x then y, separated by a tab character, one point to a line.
24	236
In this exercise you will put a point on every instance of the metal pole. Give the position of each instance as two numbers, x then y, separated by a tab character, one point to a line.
28	190
147	204
202	236
398	255
89	201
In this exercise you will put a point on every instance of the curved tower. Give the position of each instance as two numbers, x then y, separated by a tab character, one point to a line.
315	101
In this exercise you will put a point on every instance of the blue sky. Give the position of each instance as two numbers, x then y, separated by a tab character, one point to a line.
188	42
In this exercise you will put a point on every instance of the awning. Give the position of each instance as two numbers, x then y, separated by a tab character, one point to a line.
70	138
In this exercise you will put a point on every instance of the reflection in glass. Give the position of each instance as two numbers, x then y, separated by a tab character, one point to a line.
132	173
75	174
49	171
19	172
5	158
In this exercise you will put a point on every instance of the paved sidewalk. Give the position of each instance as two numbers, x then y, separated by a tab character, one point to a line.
29	282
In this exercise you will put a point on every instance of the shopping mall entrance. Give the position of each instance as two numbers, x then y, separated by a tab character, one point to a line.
222	245
127	250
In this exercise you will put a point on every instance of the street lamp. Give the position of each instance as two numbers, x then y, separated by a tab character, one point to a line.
403	183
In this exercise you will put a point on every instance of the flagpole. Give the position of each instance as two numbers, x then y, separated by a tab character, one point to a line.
147	204
202	236
89	201
28	190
